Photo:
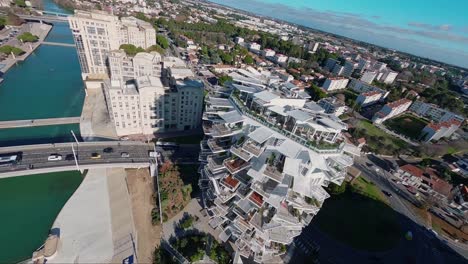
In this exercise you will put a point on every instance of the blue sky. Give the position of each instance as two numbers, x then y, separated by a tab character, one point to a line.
429	28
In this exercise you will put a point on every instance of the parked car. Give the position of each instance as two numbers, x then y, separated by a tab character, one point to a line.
54	157
108	150
124	155
387	193
69	157
95	155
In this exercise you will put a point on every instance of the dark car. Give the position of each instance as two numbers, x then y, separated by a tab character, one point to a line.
69	157
108	150
387	193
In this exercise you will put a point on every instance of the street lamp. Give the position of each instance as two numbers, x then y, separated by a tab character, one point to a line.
74	153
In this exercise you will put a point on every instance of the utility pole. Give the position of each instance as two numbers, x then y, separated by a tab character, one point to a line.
75	153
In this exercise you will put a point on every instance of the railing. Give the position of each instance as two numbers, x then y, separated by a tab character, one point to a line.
222	130
296	138
273	173
234	166
252	148
238	151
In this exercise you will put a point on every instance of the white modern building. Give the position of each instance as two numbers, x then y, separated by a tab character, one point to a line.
368	76
143	98
265	165
333	84
280	58
333	106
388	77
362	87
368	98
268	53
97	33
436	131
254	47
434	112
391	110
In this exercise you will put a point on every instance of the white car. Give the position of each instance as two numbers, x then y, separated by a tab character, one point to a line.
54	157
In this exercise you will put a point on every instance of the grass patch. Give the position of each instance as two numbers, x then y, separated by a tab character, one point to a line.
407	125
368	189
192	139
377	140
360	222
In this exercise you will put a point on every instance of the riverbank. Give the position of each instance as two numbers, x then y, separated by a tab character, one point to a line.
38	29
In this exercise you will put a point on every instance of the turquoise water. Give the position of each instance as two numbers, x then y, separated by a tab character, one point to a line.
29	207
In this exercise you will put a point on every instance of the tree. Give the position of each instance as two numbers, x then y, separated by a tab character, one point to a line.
223	79
20	3
162	41
156	48
336	189
130	49
316	93
248	60
7	49
3	22
27	37
227	58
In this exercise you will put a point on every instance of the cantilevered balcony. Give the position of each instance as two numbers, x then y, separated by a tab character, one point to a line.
230	182
235	165
256	198
215	163
207	128
222	130
273	173
212	175
253	148
238	151
217	146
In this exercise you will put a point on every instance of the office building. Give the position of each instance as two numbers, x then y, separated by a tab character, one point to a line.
264	169
97	33
144	98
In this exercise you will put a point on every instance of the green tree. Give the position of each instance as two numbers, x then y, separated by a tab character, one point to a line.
248	60
223	79
227	58
336	189
316	93
130	49
162	41
27	37
20	3
7	49
156	48
3	22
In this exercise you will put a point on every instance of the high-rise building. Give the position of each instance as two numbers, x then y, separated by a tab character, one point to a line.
97	33
265	166
144	98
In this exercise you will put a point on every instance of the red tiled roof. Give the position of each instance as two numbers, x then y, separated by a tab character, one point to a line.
446	124
413	170
398	103
362	140
256	198
441	186
231	182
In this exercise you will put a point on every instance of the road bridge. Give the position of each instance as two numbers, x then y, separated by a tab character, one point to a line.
58	44
44	18
108	155
39	122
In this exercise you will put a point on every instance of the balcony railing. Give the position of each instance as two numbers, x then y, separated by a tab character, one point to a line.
253	148
216	147
220	130
215	164
235	165
319	148
238	151
272	172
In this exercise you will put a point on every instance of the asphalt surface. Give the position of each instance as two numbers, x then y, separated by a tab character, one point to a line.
38	157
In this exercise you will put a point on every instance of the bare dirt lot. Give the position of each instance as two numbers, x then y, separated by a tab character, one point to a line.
140	185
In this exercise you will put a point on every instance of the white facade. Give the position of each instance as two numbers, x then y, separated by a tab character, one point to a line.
368	76
280	58
331	105
268	53
391	110
368	98
436	131
254	46
97	33
362	87
143	101
388	77
433	112
333	84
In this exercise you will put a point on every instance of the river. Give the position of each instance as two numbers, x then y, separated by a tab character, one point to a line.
47	84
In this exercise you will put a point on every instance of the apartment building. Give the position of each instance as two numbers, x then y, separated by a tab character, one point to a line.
436	131
333	84
267	53
391	110
265	166
362	87
96	33
349	68
434	112
333	106
337	70
368	76
388	77
368	98
144	98
363	64
330	64
254	47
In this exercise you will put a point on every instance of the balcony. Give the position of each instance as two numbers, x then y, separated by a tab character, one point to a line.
235	165
207	128
253	148
217	147
215	164
230	183
221	130
256	198
238	151
273	173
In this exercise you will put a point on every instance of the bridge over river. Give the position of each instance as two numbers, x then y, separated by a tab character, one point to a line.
35	157
39	122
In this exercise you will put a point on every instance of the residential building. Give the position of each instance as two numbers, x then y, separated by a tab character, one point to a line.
368	98
362	87
143	98
368	76
264	170
363	64
388	77
239	40
333	84
280	58
268	53
333	106
349	68
330	64
436	131
312	46
338	70
96	33
460	197
254	47
379	66
391	110
433	112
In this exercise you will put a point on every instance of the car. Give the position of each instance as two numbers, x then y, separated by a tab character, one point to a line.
124	155
69	157
54	157
387	193
95	155
108	150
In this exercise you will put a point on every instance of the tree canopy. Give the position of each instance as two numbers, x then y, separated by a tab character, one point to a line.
130	49
162	41
7	49
27	37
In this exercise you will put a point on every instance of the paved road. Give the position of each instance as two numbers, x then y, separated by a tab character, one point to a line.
37	155
39	122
